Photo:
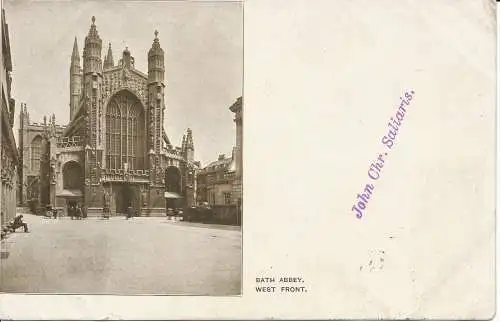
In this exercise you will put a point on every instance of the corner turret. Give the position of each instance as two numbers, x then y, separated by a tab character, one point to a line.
92	62
24	118
156	62
189	146
75	81
183	146
108	60
92	81
156	87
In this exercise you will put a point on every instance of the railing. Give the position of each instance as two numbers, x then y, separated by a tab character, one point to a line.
66	142
172	153
119	175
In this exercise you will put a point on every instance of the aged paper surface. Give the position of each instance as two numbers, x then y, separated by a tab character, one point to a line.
369	167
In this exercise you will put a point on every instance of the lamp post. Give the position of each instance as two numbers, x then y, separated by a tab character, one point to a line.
141	199
189	186
52	178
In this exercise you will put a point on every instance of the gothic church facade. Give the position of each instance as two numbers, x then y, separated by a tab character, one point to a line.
115	149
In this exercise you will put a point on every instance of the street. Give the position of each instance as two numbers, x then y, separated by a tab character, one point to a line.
118	256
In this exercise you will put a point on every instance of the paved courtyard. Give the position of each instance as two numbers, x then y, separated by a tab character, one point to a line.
118	256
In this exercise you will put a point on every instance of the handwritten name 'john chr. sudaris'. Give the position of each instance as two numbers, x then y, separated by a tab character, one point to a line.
376	166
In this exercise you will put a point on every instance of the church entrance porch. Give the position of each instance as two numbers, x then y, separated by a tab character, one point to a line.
123	196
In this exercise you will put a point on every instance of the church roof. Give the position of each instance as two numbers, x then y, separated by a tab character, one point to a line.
133	70
6	43
221	162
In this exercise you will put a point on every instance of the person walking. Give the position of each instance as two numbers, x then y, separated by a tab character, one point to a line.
129	212
105	208
78	211
83	210
72	210
48	211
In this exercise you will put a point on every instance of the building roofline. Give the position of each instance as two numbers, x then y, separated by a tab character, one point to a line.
6	42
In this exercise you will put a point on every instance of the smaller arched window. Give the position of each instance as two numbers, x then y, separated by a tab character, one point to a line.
72	176
173	179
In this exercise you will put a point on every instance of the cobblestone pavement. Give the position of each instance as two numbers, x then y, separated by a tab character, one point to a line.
118	256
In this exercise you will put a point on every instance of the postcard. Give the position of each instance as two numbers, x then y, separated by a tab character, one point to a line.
166	160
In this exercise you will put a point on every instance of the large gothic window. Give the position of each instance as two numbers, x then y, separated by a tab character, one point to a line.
36	152
125	139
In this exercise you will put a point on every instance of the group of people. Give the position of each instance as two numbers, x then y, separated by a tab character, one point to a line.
75	211
106	213
50	212
174	212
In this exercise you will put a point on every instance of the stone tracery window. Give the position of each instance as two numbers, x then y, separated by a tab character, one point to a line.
125	133
36	152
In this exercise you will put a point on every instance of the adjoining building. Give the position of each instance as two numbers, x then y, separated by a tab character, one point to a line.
115	149
215	182
31	140
237	165
9	155
219	184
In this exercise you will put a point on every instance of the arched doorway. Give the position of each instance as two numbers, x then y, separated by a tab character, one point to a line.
126	196
73	183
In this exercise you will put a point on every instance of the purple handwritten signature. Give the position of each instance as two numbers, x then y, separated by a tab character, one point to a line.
376	166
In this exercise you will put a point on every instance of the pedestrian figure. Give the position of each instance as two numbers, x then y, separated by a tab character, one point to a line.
105	212
48	211
71	210
18	222
105	208
129	212
79	213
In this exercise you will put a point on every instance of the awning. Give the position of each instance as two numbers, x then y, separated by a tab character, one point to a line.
172	195
66	193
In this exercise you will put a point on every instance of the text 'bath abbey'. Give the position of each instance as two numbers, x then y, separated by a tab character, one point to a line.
115	151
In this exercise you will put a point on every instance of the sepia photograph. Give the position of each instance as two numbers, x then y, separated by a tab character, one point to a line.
368	168
121	150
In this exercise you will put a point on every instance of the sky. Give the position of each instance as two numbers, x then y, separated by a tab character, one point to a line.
203	44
